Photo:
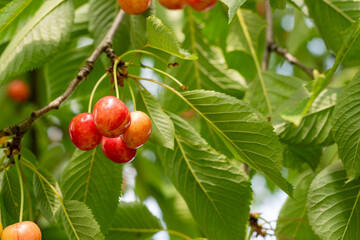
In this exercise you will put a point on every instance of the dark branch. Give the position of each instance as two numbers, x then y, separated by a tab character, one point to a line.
272	47
18	130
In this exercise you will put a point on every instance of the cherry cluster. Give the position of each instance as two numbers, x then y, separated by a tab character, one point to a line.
119	131
139	6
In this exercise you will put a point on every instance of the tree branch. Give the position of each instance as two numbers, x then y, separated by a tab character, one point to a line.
293	60
272	47
18	130
269	35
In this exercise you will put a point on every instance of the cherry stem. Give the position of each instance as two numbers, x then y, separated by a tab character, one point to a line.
145	52
116	63
182	86
132	94
94	90
21	187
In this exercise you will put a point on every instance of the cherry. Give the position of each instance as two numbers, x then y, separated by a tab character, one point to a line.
22	231
134	7
115	150
202	5
83	132
173	4
139	130
111	116
18	90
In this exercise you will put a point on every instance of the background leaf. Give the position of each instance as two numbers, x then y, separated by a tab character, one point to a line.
332	16
216	191
133	221
38	39
244	130
292	221
11	194
209	71
233	6
63	68
48	201
346	128
333	206
14	15
160	37
93	179
79	222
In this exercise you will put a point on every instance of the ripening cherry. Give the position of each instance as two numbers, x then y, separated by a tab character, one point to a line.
134	7
173	4
18	90
22	231
111	116
202	5
115	150
139	130
83	132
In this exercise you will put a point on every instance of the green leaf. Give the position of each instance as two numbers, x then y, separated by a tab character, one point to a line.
14	15
138	31
11	194
209	71
233	6
93	179
63	68
315	126
236	40
47	199
102	14
39	38
284	92
295	157
275	4
162	127
236	122
333	206
79	222
293	222
160	37
133	221
346	128
216	191
332	18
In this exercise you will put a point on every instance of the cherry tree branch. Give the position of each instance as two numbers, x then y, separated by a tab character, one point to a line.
18	130
290	58
269	35
271	46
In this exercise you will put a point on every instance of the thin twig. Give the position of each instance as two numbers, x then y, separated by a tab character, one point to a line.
272	47
19	129
269	35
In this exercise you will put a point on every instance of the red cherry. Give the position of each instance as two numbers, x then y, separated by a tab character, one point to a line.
134	7
83	132
139	130
202	5
173	4
18	90
22	231
115	150
111	116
